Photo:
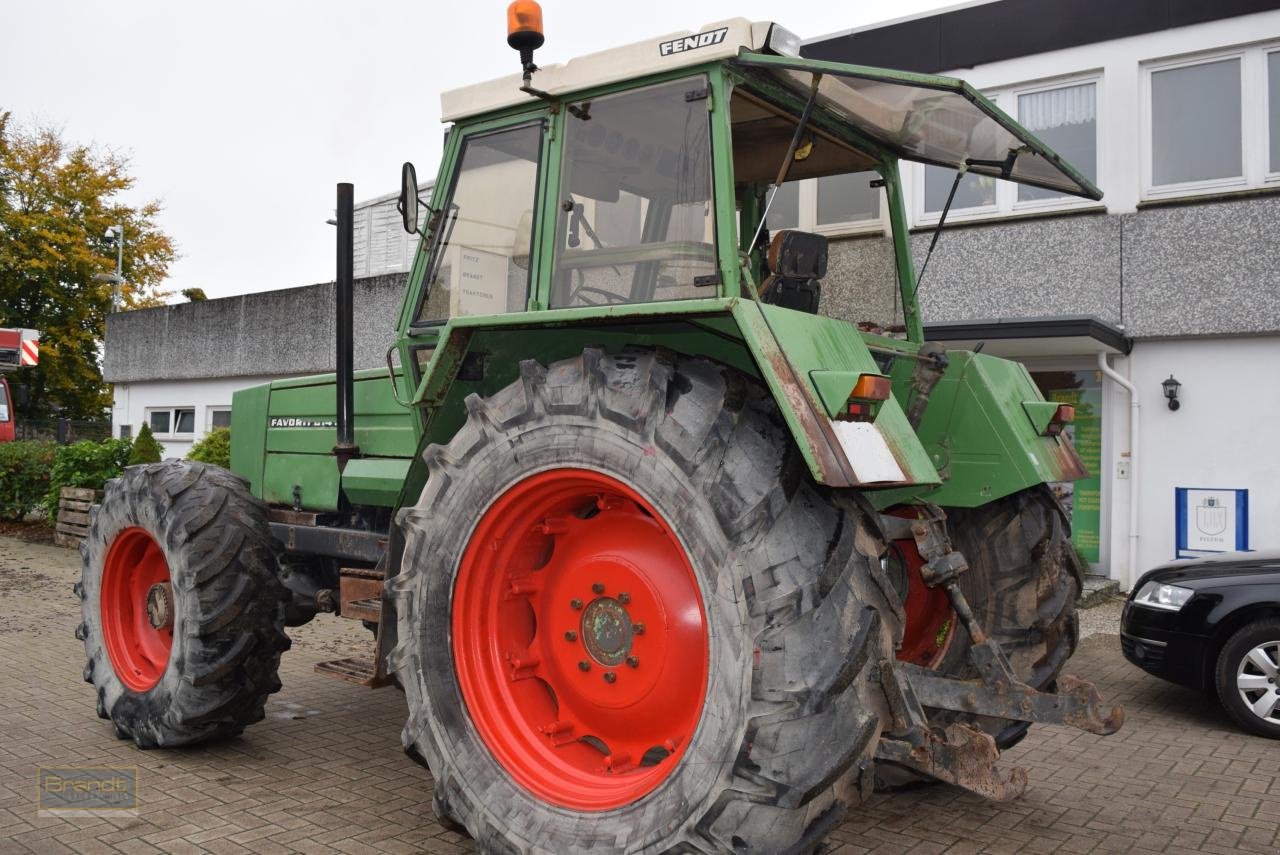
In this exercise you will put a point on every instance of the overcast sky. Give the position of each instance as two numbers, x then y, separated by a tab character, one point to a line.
241	116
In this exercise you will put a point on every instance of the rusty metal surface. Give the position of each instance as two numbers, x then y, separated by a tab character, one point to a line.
355	589
959	755
288	516
344	543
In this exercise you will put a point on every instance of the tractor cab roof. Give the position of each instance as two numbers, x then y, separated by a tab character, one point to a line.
921	117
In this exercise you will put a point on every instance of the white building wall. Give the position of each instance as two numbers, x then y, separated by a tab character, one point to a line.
1222	436
133	401
1118	63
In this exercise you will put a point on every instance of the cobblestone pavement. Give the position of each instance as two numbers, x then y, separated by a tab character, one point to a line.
324	772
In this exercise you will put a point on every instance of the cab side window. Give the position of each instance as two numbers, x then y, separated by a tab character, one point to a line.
485	234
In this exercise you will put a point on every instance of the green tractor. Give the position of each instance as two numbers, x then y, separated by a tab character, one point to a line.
663	558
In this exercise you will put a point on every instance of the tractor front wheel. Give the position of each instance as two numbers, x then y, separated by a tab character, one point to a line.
628	622
181	609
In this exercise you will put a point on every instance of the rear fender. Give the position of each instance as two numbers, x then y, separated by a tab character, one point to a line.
784	348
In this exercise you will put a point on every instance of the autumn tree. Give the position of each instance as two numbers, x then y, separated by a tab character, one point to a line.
56	202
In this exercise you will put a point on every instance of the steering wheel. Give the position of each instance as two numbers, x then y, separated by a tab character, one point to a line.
608	298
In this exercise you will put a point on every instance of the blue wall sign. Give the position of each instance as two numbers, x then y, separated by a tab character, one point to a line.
1210	521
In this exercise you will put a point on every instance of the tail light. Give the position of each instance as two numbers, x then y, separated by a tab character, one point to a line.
865	398
1064	415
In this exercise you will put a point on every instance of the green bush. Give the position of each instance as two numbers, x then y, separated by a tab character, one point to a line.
85	464
146	449
214	447
24	476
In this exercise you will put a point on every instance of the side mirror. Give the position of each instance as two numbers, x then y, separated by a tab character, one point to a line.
408	203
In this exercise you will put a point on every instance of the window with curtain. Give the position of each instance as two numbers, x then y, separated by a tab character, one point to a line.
1066	120
1196	129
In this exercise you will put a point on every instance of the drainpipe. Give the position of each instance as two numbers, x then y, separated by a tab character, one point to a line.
1131	572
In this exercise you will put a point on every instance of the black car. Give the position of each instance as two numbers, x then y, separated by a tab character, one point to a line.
1213	623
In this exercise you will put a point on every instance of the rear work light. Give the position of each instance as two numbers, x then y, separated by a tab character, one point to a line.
1065	415
865	398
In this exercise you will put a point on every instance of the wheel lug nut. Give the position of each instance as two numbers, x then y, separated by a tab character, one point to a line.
571	636
584	665
624	598
598	588
576	604
633	661
610	677
638	628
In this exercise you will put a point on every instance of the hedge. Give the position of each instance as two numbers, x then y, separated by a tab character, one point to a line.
24	476
85	464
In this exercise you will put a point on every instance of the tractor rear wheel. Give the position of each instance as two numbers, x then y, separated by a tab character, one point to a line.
181	609
1022	583
629	622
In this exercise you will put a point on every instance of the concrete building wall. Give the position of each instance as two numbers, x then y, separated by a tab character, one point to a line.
279	333
1211	268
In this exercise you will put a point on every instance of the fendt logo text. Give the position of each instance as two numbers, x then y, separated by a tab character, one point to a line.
701	40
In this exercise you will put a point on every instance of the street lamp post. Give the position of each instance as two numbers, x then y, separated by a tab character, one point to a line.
114	234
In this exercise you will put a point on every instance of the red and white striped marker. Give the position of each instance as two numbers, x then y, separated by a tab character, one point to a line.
30	351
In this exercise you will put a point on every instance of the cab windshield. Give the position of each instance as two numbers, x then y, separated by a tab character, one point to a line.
635	218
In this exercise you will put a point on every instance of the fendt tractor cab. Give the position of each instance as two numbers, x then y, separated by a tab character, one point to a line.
664	556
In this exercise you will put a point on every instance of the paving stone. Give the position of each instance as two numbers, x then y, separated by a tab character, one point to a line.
324	771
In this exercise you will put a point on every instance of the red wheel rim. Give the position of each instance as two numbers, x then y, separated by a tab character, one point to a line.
139	651
580	639
929	618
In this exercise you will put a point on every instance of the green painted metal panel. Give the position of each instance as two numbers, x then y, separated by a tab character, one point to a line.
1040	413
978	434
833	388
249	433
787	346
375	480
315	474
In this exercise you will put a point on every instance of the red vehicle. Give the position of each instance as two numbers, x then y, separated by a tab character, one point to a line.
18	349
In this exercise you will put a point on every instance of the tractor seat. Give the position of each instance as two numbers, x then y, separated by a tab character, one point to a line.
796	261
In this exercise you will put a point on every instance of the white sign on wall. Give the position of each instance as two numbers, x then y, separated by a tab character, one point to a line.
1210	520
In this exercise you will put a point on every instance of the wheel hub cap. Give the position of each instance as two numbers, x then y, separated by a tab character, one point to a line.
580	640
1256	681
607	631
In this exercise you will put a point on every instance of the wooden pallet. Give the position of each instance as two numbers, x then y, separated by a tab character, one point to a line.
75	508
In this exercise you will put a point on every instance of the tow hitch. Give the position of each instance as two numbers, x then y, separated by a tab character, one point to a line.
961	754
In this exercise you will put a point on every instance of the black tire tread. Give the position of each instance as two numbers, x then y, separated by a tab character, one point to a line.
222	562
807	746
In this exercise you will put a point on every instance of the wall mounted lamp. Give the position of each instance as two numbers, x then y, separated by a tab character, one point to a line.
1171	387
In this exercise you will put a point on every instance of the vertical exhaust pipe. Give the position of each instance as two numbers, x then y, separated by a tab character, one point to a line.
343	288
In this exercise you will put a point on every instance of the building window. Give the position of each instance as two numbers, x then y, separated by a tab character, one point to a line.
1212	123
219	417
848	198
1273	111
1196	132
175	421
1065	118
784	207
833	204
1063	114
126	431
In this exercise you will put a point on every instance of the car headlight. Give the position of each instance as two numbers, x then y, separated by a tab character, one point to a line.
1160	596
